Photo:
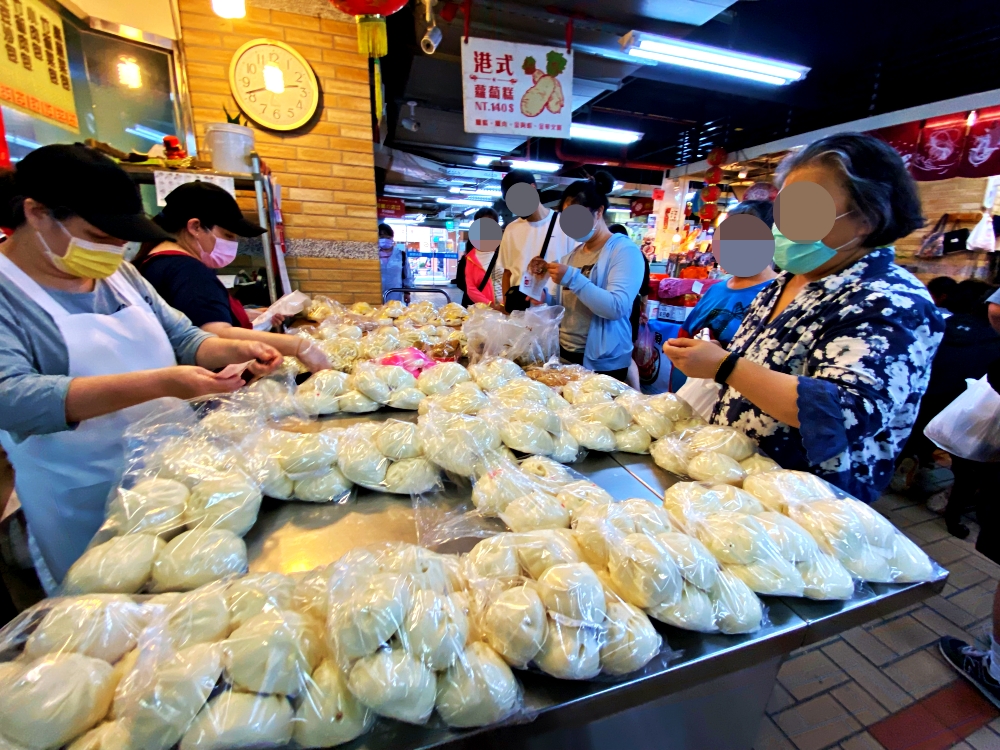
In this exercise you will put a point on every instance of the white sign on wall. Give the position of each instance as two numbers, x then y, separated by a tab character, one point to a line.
166	181
517	89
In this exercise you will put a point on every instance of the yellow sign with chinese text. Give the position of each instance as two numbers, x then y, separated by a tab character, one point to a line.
34	68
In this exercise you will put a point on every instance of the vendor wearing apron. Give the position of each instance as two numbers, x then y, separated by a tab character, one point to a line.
85	344
205	223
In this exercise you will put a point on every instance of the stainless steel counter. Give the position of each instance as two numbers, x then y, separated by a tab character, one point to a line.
675	703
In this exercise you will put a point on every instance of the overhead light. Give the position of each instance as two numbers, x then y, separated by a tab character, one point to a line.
23	142
464	202
617	210
131	32
485	192
743	174
465	225
129	72
274	79
531	166
711	59
619	185
689	196
229	8
608	135
971	119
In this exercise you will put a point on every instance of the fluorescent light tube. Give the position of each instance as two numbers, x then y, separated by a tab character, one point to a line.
531	166
464	202
608	135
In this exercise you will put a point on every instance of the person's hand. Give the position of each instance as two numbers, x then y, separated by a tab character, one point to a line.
312	356
694	357
265	359
186	381
557	271
277	320
499	307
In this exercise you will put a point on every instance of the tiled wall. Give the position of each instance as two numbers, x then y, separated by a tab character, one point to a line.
326	169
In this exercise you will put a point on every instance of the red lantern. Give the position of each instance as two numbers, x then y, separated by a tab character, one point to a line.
711	193
717	156
713	176
706	223
708	212
370	16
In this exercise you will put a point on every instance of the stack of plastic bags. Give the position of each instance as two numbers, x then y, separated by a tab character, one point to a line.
846	530
538	603
387	457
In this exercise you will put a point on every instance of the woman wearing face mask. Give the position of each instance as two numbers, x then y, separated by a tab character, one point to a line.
828	367
86	345
395	267
206	224
597	284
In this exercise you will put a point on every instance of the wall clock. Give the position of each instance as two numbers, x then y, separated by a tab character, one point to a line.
273	84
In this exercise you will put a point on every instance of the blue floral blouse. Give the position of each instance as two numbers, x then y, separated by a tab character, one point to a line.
861	342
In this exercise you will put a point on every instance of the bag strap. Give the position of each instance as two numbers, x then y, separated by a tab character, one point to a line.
489	271
548	234
941	224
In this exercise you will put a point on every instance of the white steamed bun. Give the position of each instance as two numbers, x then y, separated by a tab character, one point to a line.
328	714
396	684
515	624
631	640
477	690
198	557
643	570
122	565
234	719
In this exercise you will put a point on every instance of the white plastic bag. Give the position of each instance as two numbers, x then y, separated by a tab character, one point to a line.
969	427
982	237
289	305
701	394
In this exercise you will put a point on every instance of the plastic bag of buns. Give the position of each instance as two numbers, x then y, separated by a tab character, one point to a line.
401	469
492	373
645	414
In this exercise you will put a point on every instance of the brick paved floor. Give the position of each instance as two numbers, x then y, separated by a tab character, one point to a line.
829	694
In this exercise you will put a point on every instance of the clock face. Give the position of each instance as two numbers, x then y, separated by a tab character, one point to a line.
273	84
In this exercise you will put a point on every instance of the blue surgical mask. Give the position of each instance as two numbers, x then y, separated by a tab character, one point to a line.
803	257
587	236
386	243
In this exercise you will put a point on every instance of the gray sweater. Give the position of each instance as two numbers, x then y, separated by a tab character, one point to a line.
34	361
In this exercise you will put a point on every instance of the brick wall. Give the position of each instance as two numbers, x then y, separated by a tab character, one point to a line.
326	169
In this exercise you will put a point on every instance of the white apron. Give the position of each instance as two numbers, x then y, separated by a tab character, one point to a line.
63	479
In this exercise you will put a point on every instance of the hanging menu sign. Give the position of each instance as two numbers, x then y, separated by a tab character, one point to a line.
517	89
34	68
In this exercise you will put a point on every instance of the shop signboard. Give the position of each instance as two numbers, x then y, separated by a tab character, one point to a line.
982	145
904	138
391	208
939	152
166	180
642	206
517	89
34	67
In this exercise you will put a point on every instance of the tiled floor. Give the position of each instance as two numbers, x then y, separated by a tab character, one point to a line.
886	679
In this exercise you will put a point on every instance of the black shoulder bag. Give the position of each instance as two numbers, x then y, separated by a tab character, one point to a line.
515	299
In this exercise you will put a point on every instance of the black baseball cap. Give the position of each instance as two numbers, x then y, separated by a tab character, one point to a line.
515	177
84	181
210	204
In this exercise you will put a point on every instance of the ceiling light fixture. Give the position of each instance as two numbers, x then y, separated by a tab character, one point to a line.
743	174
484	192
586	132
464	202
711	59
129	72
229	8
532	166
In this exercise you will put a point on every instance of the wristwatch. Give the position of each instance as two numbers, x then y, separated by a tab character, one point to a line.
726	368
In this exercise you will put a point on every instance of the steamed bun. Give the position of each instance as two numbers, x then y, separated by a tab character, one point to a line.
591	435
536	510
257	592
779	489
758	464
570	652
825	578
230	502
772	575
697	565
54	699
611	415
574	591
737	608
539	550
495	557
693	610
526	437
273	652
716	468
724	440
361	462
515	625
790	539
546	468
122	565
631	640
153	506
201	616
435	629
909	562
643	570
576	496
671	454
396	440
328	714
442	377
111	735
104	626
633	439
734	538
369	617
406	398
736	500
233	719
198	557
393	683
687	502
411	476
330	485
477	690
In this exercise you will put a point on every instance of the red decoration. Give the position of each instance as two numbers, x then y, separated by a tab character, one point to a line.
713	176
982	145
706	223
687	210
717	156
708	212
711	193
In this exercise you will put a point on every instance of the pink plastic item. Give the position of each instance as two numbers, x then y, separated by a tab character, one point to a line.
412	360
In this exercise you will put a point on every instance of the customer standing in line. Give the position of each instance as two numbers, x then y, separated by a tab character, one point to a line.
394	265
828	368
524	239
470	273
87	346
597	283
206	223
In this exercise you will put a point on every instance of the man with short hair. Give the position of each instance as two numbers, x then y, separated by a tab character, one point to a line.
523	240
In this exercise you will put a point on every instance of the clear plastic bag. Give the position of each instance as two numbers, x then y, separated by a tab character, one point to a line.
442	377
528	428
362	462
287	306
380	382
457	442
464	398
529	337
492	373
967	427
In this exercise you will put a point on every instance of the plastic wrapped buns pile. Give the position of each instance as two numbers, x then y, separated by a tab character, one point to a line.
536	602
387	457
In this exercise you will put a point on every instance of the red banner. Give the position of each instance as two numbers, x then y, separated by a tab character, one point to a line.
939	153
391	208
982	145
904	138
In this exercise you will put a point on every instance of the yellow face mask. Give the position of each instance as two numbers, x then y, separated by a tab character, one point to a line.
85	259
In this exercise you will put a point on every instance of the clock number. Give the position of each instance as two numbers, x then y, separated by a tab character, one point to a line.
298	104
260	57
251	68
263	108
304	92
245	81
274	56
276	114
298	78
252	98
291	112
